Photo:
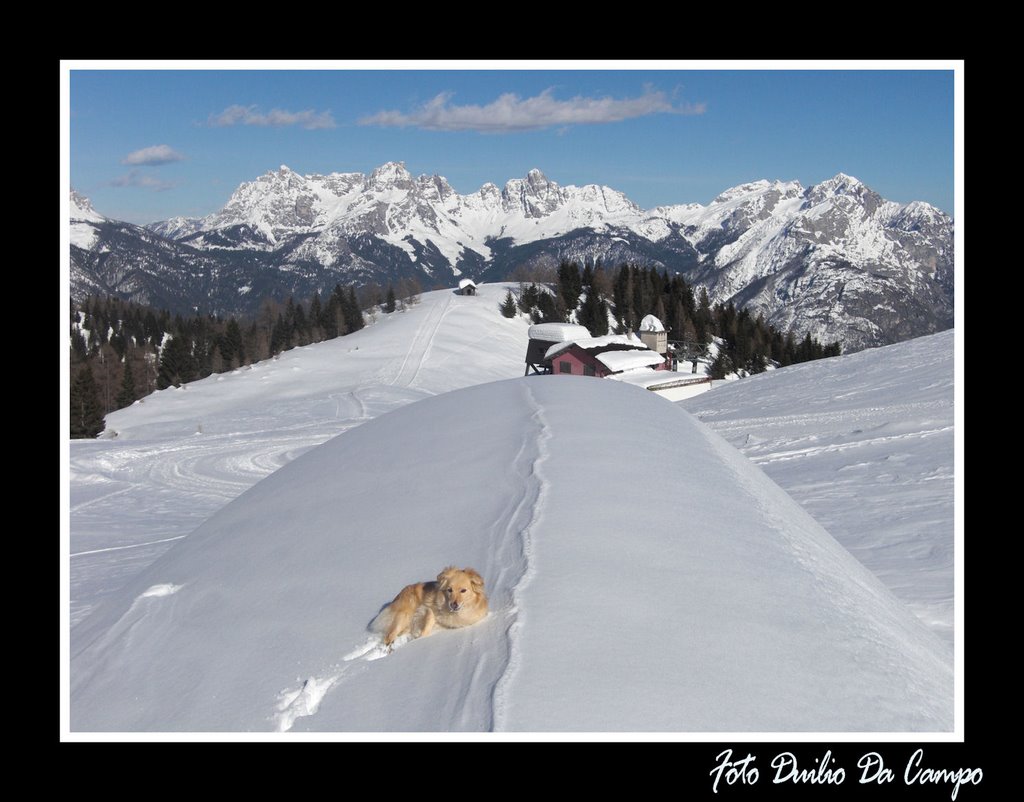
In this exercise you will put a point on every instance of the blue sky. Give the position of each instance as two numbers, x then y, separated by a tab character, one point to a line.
145	145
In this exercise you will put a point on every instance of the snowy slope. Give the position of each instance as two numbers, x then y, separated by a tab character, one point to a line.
865	444
182	453
612	607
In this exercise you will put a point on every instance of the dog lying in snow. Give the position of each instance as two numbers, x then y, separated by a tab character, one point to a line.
456	599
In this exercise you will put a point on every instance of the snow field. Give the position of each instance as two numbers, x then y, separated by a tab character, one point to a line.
609	610
181	454
865	444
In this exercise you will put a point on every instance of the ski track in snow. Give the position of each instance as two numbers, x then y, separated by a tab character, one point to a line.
129	546
517	537
210	470
782	456
420	346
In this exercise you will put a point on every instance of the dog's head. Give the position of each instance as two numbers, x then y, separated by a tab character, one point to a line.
462	587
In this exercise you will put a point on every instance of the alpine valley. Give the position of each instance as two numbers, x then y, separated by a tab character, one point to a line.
835	260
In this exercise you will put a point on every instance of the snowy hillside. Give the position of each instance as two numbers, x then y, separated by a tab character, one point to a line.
865	444
181	454
616	605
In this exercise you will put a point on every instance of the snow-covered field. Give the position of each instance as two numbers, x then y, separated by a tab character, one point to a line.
181	454
610	611
616	534
865	444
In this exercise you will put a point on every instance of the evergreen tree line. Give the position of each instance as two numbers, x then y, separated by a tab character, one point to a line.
578	295
122	351
584	295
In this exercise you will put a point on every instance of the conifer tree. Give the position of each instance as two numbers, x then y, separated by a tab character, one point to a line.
528	298
79	349
570	284
508	306
233	349
316	314
126	397
86	413
548	309
353	314
176	364
593	314
301	329
389	305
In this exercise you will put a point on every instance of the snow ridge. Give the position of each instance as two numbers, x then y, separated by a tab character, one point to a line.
530	504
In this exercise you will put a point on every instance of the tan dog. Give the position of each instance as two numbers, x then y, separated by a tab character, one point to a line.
456	599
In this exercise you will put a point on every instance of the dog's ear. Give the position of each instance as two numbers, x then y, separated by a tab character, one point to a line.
475	579
443	577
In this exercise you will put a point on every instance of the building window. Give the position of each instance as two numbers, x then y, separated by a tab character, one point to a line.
589	371
565	367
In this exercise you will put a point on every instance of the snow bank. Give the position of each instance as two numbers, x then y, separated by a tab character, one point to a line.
608	610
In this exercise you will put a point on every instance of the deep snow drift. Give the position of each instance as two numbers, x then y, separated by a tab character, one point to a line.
865	444
643	576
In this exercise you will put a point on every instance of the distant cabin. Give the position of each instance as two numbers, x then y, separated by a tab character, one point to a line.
467	287
603	356
543	336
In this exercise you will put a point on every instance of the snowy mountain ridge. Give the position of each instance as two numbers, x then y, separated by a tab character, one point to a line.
834	259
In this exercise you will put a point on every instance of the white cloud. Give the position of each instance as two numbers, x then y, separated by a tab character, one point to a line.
251	115
136	179
512	113
157	154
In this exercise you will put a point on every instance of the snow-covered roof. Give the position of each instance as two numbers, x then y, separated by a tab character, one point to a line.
629	360
558	332
466	282
596	344
651	323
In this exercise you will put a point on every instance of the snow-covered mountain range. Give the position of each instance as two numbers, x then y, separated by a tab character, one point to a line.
834	259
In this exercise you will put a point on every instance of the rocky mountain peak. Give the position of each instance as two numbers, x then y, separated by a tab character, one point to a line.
391	175
435	187
535	195
841	186
81	208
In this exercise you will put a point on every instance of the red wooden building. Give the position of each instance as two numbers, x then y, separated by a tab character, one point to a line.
603	356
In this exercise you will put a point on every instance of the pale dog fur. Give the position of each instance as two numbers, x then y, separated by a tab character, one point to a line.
456	599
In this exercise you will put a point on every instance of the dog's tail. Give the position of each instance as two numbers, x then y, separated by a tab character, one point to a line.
382	621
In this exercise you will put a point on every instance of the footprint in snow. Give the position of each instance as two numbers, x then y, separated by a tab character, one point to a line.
374	649
304	700
295	703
